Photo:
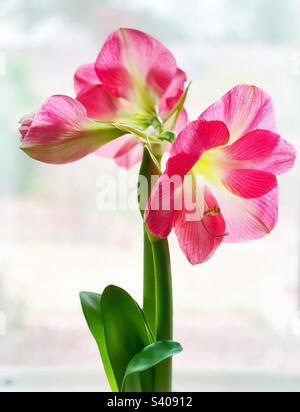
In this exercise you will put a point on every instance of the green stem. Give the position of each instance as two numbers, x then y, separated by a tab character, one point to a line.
164	310
149	304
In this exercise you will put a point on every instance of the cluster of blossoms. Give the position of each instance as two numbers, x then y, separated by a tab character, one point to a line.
226	161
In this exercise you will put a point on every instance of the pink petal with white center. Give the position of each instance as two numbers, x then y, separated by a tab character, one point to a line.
85	78
249	183
243	109
247	219
255	146
281	160
262	150
126	151
134	65
195	139
200	239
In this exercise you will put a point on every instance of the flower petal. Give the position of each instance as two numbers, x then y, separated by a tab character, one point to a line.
249	183
195	139
85	78
54	121
100	103
247	219
262	150
126	151
135	66
243	109
172	94
281	160
200	239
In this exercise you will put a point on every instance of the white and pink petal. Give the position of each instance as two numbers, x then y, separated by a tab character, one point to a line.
135	66
199	239
243	109
247	219
126	151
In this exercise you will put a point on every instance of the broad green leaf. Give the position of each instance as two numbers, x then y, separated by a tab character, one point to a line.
92	311
150	356
126	333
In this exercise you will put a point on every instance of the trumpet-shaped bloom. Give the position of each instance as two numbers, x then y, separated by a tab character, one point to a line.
220	181
134	77
60	132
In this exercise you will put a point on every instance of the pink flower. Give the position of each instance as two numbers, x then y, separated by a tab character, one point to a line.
134	77
60	132
226	164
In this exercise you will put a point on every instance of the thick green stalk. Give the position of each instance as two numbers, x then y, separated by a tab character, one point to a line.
149	303
164	310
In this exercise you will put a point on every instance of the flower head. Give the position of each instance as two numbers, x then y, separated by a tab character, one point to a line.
134	80
60	132
220	181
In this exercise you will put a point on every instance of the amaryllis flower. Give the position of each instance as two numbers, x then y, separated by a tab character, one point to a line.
223	170
135	79
60	132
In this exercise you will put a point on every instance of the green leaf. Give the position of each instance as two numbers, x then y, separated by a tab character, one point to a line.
126	334
92	311
150	356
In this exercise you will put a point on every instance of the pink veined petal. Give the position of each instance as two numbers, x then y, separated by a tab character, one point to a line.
172	94
200	239
56	119
249	183
247	219
254	146
243	109
126	151
85	78
130	56
281	160
100	103
195	139
262	150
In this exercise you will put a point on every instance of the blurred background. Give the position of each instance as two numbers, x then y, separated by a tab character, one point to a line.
237	316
